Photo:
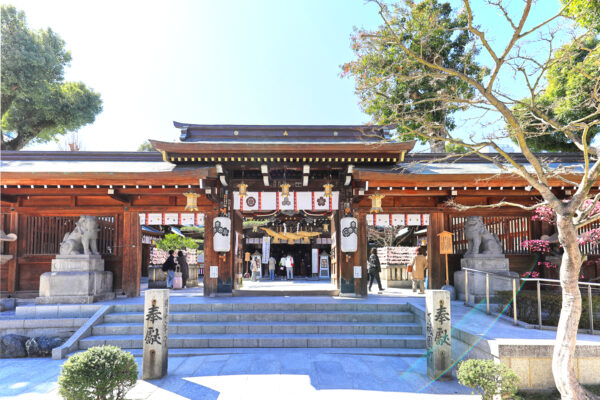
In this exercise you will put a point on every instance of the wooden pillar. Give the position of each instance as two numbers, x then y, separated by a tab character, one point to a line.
13	264
132	254
237	247
211	258
437	274
351	286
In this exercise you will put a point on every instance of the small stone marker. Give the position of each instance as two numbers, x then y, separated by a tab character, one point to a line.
156	334
438	334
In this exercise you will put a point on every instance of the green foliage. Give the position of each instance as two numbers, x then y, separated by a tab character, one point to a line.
394	87
172	241
572	79
488	378
456	148
146	146
99	373
527	307
585	12
37	104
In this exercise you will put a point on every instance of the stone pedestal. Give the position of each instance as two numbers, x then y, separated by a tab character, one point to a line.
75	279
484	263
156	334
438	334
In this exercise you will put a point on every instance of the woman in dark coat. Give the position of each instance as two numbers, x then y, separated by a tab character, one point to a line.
185	271
374	269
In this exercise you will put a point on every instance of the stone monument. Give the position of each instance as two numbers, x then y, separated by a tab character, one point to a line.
484	253
438	337
77	274
155	358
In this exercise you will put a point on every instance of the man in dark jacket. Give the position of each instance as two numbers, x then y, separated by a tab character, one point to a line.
374	269
169	266
183	265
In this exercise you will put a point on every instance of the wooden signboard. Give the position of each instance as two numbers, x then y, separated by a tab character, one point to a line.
445	242
446	248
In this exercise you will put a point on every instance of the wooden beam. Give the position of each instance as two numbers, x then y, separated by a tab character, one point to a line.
8	198
116	195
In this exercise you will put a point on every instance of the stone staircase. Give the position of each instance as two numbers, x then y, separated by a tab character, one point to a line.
224	327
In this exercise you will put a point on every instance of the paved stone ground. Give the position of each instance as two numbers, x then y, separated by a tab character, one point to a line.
275	375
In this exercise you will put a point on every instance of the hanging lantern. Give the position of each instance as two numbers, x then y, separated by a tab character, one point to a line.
242	188
221	234
376	202
349	228
328	189
325	228
192	201
285	189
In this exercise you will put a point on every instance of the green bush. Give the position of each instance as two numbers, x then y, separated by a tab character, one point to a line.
100	373
551	304
488	378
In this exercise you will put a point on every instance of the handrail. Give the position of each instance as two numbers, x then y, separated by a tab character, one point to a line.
538	282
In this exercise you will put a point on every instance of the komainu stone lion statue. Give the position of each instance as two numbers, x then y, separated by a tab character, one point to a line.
480	240
83	238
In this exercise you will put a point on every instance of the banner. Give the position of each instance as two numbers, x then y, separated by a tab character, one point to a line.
266	249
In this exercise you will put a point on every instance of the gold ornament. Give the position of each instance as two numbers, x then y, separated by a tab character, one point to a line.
376	202
285	189
328	189
192	201
242	187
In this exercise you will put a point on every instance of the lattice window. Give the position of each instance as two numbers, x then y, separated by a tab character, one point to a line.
511	231
44	234
589	248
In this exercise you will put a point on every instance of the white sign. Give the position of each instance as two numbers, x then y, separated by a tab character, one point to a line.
214	271
266	249
315	261
349	230
357	272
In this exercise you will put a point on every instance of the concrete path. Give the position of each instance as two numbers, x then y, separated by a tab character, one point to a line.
274	375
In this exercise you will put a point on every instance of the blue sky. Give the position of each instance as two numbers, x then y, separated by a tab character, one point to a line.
208	62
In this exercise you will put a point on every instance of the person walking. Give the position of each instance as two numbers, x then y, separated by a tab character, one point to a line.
183	266
374	269
272	263
289	266
169	267
254	268
419	265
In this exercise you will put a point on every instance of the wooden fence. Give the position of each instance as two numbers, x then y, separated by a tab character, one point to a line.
45	233
511	231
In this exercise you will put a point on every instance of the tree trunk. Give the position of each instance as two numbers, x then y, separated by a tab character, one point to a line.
566	333
437	146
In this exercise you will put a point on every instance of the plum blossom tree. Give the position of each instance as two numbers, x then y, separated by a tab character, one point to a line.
501	101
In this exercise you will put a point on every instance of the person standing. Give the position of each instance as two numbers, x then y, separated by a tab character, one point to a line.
169	267
272	263
289	266
374	269
183	265
419	265
254	268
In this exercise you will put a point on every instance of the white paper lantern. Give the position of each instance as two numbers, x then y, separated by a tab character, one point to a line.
349	230
222	234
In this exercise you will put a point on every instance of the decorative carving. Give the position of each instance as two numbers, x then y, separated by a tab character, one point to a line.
83	238
480	240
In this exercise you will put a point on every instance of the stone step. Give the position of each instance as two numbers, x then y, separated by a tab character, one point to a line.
206	307
404	328
263	340
190	352
270	316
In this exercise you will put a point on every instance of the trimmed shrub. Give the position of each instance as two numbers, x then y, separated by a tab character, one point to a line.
488	378
99	373
551	305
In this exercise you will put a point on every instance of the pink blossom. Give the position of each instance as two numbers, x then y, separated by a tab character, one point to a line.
542	246
546	264
532	274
